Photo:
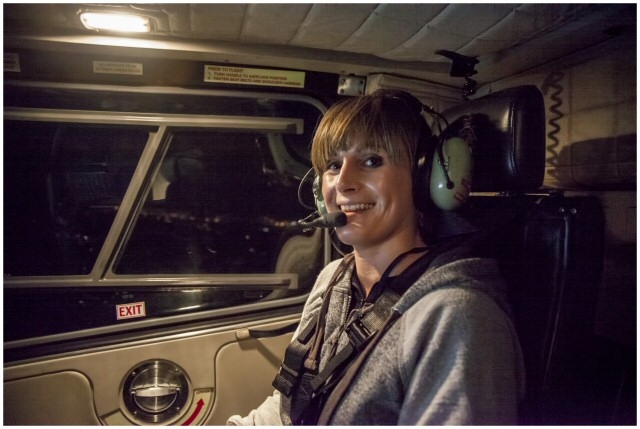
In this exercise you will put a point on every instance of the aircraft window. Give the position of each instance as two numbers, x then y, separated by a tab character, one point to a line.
221	204
215	191
63	185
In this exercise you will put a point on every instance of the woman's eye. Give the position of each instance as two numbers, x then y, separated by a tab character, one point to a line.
373	161
333	166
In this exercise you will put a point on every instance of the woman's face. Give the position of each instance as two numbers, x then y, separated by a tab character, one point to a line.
375	194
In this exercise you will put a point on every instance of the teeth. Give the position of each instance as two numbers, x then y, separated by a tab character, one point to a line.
355	207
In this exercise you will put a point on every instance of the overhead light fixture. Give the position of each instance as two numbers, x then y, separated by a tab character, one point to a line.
110	21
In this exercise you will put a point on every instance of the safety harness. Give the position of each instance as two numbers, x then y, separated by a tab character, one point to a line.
299	378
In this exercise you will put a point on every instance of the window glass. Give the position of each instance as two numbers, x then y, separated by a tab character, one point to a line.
63	184
223	202
216	201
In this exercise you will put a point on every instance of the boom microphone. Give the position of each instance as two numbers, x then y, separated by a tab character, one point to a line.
329	220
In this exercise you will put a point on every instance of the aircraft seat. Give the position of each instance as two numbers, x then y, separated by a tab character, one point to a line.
549	247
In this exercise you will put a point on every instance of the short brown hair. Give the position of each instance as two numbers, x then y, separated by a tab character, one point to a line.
385	119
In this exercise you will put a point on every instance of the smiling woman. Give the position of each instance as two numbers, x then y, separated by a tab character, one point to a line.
454	301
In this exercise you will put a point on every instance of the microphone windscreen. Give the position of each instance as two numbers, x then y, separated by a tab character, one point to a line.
336	219
328	220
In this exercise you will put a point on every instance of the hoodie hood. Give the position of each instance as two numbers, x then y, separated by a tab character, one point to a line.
456	268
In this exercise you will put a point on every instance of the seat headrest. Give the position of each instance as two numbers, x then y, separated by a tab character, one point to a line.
509	146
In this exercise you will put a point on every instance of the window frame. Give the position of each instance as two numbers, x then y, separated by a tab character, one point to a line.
134	198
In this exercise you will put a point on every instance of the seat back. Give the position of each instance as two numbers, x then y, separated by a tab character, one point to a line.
549	247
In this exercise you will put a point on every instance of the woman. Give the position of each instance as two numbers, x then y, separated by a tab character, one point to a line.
445	351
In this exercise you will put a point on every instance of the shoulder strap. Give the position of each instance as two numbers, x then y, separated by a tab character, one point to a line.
305	399
303	386
342	385
364	323
292	367
326	413
361	327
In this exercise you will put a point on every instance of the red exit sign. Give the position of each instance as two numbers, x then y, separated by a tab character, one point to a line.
128	311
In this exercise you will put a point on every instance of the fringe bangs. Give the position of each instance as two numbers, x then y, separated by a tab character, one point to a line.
368	121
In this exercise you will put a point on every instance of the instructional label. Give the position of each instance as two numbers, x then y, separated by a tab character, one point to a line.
251	76
128	311
112	67
11	62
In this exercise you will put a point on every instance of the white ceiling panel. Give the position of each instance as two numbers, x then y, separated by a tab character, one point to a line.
389	26
217	21
273	24
327	26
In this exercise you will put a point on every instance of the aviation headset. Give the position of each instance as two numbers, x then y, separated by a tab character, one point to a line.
448	175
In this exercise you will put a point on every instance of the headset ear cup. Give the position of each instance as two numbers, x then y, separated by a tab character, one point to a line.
317	196
451	174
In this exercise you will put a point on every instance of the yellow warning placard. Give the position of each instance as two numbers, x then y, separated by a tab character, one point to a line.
252	76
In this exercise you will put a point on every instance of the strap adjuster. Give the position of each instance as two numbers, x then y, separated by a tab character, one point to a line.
358	333
285	380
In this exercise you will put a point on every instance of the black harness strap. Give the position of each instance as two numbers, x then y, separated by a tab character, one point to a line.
360	329
301	382
292	365
326	410
291	371
329	407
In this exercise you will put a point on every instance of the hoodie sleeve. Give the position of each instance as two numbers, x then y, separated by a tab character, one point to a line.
458	361
267	414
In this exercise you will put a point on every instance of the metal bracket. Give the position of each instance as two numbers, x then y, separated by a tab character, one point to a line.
351	85
462	66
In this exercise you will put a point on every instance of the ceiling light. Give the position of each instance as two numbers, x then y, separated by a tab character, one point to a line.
110	21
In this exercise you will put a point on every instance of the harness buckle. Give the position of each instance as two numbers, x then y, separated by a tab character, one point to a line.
285	380
358	334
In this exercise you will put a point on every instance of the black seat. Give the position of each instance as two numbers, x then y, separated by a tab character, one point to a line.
549	246
185	202
185	192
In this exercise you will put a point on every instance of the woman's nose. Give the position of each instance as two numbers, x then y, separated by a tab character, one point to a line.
348	178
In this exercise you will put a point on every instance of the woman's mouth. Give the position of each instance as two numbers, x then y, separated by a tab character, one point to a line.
355	207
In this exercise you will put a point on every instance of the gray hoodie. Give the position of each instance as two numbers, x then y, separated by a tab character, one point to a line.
452	358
